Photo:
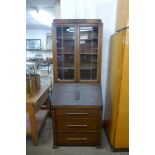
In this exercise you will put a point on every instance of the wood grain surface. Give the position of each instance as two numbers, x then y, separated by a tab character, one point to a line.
65	94
118	123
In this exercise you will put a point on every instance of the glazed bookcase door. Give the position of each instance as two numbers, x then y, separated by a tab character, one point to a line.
65	52
77	46
88	50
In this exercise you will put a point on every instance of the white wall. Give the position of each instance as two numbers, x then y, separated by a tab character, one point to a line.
38	34
97	9
106	12
57	9
72	9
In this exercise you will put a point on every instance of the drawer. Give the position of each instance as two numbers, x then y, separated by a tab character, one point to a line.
76	112
77	124
76	138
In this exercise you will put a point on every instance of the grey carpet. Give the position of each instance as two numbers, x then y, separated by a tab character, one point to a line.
45	145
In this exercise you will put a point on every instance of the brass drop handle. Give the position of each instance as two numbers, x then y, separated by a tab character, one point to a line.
77	125
76	139
79	113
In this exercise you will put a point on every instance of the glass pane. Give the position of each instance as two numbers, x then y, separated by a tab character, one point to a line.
85	46
94	50
59	51
94	57
59	43
68	74
94	74
88	52
60	64
85	74
94	64
60	74
68	45
86	32
65	52
68	32
58	32
85	61
60	57
69	60
95	32
94	43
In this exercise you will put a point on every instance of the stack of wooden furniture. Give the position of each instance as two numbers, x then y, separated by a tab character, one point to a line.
117	108
76	100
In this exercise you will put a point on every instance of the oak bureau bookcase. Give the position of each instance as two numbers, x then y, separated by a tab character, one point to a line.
76	99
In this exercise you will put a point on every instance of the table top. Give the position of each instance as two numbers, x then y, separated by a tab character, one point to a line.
78	94
41	91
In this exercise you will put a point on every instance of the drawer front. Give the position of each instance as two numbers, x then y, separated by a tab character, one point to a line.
76	138
77	124
76	112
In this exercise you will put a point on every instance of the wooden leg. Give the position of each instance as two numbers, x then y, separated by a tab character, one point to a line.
53	126
99	146
33	126
99	143
55	146
48	103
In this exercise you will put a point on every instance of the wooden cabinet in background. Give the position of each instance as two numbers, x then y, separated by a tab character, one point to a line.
122	19
117	126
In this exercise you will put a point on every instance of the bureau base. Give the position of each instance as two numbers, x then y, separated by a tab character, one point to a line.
76	122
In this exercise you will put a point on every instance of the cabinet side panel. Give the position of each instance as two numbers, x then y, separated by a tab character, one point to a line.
122	19
100	51
54	51
115	69
122	130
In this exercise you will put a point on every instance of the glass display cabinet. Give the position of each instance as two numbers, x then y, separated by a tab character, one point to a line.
76	101
77	50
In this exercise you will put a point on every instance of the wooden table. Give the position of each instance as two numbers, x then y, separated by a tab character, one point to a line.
37	108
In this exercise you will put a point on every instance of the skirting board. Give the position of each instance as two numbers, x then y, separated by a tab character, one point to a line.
112	148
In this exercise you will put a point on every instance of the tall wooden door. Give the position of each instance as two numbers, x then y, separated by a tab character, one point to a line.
89	52
122	19
64	52
122	129
77	46
118	91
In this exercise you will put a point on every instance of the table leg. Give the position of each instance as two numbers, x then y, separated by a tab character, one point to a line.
33	126
48	103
